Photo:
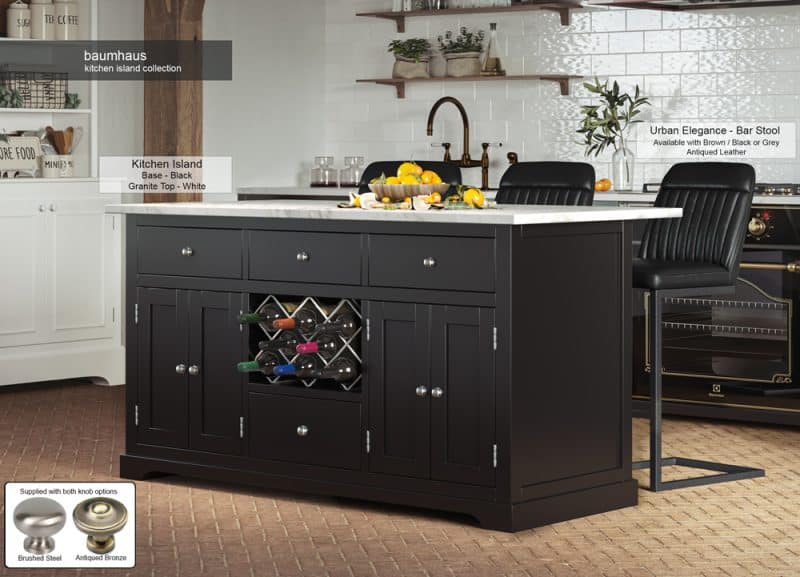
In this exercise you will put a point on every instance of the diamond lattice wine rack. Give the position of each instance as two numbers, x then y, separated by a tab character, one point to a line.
339	347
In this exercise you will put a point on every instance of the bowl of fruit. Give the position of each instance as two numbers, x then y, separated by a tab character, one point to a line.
411	180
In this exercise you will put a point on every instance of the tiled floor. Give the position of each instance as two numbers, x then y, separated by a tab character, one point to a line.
75	432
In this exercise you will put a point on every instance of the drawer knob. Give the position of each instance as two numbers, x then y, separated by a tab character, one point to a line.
181	369
39	519
429	262
421	391
302	431
437	393
100	518
194	370
187	251
303	257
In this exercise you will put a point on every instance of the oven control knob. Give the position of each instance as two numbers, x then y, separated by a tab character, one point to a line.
757	226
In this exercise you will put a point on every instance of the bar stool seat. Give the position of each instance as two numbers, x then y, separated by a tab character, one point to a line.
696	255
656	275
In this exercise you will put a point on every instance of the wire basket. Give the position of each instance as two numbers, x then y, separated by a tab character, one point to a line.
38	89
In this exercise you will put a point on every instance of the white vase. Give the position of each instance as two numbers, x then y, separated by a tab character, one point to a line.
460	64
623	163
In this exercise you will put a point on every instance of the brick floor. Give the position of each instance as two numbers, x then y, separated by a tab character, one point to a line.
75	432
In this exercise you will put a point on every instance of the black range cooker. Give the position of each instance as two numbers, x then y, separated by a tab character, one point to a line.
736	356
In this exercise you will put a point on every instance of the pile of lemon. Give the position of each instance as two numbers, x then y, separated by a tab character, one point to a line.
410	173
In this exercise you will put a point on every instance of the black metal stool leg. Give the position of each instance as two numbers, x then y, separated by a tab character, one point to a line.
657	462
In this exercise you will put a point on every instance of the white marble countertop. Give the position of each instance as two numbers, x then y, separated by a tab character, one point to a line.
610	197
327	210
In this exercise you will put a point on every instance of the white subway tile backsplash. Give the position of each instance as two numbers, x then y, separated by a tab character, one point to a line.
693	66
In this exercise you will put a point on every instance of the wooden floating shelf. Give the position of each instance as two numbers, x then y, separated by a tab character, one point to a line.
668	7
400	83
562	8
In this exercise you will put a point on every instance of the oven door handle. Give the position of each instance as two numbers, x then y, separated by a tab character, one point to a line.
793	267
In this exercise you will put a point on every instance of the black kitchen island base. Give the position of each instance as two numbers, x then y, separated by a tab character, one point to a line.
493	516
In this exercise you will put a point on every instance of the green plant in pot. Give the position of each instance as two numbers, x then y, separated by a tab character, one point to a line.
607	125
411	58
463	52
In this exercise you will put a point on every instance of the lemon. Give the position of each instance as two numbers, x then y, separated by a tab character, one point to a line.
386	200
430	177
474	197
393	180
409	179
409	168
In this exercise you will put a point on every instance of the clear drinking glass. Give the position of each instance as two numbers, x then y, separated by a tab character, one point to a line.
323	173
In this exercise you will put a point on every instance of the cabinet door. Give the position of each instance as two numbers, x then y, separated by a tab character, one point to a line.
85	272
216	344
462	395
23	278
397	365
163	341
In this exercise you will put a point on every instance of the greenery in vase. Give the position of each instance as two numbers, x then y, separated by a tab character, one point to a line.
605	125
466	41
413	49
72	100
10	98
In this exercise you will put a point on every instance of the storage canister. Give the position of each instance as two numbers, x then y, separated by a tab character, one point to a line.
19	20
43	20
67	21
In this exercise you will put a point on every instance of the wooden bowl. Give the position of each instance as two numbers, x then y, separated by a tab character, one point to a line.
399	192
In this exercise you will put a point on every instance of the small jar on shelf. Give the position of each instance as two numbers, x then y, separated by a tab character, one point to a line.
350	175
323	174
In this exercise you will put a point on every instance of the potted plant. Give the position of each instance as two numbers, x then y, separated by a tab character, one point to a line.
606	125
411	58
463	52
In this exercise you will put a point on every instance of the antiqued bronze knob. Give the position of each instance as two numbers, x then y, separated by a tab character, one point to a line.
39	518
100	518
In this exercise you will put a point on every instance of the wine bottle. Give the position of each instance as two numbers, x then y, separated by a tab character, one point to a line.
325	345
304	367
343	324
264	364
305	320
267	315
285	342
340	370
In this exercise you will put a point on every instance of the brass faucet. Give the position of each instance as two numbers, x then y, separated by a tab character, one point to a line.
466	160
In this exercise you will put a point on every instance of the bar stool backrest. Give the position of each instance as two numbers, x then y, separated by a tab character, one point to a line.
548	183
716	199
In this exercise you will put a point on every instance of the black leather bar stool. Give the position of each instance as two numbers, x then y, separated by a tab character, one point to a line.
548	183
693	256
447	172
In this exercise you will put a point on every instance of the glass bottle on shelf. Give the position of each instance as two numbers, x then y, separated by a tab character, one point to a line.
307	367
303	368
343	324
326	346
492	65
323	174
286	342
266	314
350	175
263	364
340	370
305	320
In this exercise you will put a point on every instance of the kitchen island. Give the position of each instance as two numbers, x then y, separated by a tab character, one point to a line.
492	371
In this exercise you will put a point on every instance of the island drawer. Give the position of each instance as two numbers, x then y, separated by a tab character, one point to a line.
305	257
201	252
432	262
304	430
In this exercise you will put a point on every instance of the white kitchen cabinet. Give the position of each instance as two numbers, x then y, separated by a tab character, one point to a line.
60	296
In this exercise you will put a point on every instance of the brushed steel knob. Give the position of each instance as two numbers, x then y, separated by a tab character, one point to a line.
181	369
187	251
437	393
429	262
421	391
194	370
302	431
100	518
303	257
39	518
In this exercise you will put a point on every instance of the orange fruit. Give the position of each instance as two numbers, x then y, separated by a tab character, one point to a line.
386	200
430	177
409	168
603	185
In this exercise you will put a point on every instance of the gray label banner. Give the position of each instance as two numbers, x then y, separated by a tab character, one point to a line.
122	60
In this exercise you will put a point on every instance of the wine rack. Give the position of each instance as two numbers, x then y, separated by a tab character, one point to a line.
327	309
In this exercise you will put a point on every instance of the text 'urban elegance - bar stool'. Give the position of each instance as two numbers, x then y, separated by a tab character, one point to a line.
693	256
548	183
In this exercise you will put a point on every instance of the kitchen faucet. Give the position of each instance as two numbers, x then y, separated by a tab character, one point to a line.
466	161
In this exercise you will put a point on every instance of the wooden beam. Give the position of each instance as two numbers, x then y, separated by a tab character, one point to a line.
173	110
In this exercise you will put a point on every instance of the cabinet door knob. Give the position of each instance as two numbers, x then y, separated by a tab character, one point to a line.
52	208
302	431
194	370
187	251
422	391
303	256
429	262
41	208
437	393
180	369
